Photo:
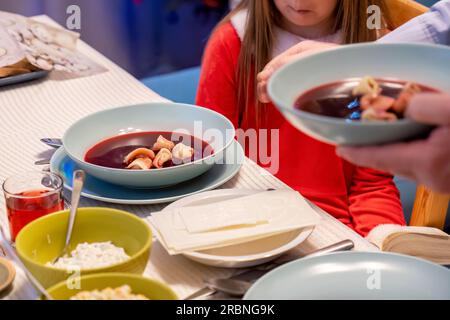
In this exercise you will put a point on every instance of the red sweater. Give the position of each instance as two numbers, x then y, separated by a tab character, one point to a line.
359	197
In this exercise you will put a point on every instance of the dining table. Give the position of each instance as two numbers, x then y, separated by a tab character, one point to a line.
47	107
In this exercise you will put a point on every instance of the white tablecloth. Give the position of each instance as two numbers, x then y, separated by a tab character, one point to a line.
47	108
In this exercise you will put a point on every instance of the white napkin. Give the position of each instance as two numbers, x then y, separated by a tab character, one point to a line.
233	221
232	213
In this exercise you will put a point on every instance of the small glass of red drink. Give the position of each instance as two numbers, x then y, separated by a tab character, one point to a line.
31	195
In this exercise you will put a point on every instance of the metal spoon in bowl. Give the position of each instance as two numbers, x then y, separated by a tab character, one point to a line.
78	181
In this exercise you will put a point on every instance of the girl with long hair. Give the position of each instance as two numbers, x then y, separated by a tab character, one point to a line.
244	42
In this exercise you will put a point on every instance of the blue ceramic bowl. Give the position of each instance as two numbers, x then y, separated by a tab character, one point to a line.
202	123
421	63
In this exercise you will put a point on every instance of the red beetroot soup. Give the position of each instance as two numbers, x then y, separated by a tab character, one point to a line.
336	99
111	152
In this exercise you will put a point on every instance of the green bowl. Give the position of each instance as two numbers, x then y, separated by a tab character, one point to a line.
154	290
42	241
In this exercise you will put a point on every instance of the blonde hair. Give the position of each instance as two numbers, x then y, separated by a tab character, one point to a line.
257	45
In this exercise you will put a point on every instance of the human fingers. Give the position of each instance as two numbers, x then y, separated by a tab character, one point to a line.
430	109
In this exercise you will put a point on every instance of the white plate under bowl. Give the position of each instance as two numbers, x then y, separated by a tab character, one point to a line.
243	255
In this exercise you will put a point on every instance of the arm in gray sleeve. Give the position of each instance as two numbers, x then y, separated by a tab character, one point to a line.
431	27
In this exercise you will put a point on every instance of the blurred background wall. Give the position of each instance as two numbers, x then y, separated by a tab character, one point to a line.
146	37
428	3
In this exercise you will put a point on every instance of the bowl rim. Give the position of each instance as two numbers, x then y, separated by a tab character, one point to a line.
303	234
120	275
339	121
307	259
139	172
147	245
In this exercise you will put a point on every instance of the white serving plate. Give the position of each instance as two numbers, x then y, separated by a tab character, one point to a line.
245	254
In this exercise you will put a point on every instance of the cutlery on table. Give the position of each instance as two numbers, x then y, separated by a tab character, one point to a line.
78	181
42	162
239	284
52	142
201	294
13	255
230	286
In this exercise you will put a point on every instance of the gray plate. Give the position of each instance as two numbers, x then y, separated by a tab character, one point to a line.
22	78
354	275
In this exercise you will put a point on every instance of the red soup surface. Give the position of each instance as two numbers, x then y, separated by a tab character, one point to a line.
336	99
111	152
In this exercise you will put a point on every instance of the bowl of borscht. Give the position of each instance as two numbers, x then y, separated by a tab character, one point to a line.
358	94
149	145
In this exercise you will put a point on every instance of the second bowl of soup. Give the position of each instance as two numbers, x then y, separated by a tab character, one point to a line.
327	95
149	145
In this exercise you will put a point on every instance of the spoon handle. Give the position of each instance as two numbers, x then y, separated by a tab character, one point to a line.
42	162
78	181
339	246
52	142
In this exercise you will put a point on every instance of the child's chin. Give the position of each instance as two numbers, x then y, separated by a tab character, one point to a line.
305	21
